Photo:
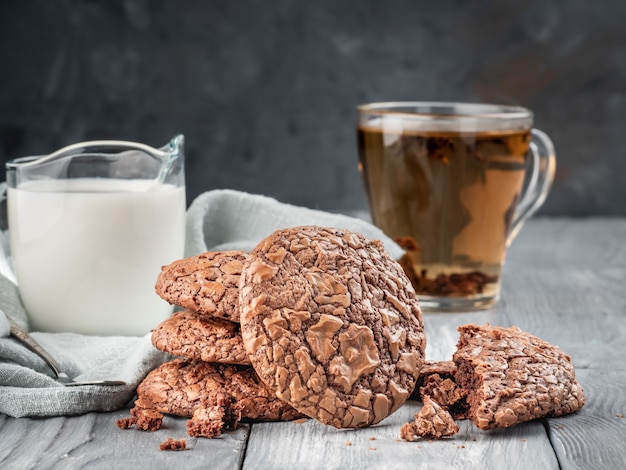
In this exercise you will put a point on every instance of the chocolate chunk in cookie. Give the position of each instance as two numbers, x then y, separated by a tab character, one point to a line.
194	336
511	376
206	283
332	324
181	386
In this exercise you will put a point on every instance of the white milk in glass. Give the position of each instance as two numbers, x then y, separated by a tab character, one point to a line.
87	252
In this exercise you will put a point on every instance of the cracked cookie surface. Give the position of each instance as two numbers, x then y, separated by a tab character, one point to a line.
332	324
510	376
195	336
206	283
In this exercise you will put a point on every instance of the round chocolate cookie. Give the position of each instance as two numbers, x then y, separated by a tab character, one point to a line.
192	335
178	387
332	324
206	283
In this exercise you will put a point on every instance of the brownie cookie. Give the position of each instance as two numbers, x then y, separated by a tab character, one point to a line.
181	386
194	336
511	376
332	324
206	283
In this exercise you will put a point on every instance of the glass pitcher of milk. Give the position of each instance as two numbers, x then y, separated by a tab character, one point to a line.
90	227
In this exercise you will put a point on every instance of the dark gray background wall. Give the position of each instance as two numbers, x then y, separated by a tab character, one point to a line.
265	90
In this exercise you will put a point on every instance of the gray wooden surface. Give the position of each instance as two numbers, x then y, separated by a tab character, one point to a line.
565	281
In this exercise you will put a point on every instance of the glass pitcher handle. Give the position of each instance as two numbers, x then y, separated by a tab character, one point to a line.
543	167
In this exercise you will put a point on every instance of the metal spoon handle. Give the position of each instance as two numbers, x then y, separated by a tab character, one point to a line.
28	341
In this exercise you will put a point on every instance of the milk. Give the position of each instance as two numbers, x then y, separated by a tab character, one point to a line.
87	252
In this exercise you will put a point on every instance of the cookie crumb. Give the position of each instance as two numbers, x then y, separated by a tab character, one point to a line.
173	444
372	448
125	423
372	438
348	443
620	415
300	420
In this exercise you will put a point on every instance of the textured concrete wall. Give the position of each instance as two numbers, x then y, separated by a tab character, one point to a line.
265	90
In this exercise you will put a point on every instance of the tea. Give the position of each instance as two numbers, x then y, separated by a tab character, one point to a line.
448	198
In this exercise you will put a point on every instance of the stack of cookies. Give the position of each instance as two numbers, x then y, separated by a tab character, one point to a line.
315	322
211	379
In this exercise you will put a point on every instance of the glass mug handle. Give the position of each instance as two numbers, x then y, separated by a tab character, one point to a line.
543	169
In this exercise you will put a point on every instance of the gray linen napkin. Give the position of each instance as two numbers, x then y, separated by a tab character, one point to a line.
216	220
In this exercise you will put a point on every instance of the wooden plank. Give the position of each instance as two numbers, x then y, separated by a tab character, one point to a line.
311	445
576	309
595	436
94	441
597	355
564	242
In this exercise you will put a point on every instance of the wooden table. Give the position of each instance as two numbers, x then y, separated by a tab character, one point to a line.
565	281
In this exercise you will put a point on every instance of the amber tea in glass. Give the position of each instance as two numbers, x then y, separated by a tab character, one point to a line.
452	183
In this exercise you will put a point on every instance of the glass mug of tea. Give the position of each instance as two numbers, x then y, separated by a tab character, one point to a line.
90	227
452	184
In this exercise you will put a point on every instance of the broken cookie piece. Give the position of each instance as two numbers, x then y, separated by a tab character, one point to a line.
432	422
177	387
510	376
218	411
499	377
144	416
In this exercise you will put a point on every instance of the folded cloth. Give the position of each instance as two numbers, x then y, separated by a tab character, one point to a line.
231	220
216	220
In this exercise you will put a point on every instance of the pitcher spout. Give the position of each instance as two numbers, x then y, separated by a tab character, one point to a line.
176	145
